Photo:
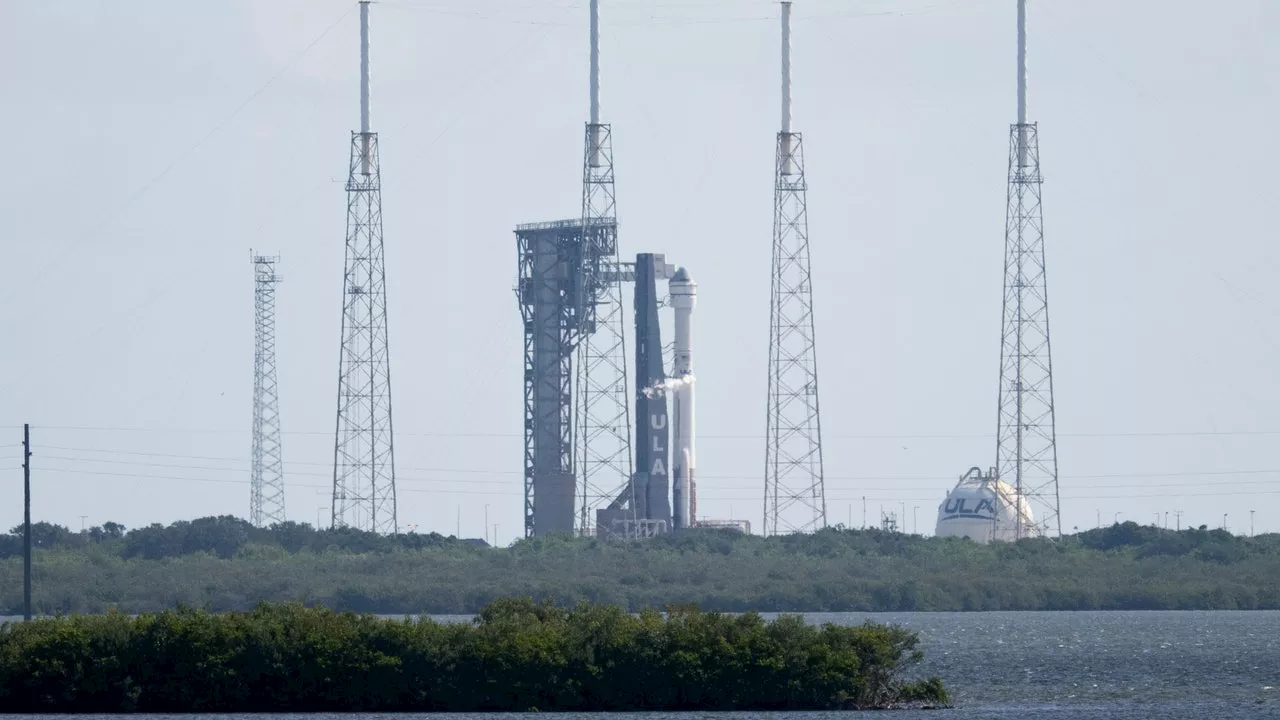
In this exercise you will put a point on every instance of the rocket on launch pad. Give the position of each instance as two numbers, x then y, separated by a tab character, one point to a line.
662	495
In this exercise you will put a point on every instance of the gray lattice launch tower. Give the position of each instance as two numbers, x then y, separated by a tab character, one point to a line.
364	478
794	497
266	468
547	290
603	416
1026	442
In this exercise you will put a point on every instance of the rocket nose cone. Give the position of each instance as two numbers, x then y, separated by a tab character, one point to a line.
682	275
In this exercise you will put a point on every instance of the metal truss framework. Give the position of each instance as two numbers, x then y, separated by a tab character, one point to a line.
266	474
552	291
603	412
1026	444
794	496
364	481
549	254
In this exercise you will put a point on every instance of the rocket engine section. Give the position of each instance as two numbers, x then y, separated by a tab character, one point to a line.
680	387
653	448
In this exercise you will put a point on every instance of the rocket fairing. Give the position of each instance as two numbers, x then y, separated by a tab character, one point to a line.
683	299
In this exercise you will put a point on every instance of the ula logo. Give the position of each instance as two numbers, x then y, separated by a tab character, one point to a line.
658	421
960	506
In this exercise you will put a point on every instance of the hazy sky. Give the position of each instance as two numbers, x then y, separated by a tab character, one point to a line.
152	143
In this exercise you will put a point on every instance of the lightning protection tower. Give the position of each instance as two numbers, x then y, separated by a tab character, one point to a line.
794	498
364	477
266	473
1026	443
603	413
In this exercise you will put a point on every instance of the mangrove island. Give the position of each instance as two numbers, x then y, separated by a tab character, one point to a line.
517	655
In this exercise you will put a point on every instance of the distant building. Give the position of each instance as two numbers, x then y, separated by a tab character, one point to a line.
983	508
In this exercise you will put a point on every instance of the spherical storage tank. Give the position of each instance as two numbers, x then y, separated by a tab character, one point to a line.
982	508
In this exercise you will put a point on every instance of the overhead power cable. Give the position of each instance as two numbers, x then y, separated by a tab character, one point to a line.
515	490
854	436
935	481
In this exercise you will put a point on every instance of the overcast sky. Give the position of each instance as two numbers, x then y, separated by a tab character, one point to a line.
151	144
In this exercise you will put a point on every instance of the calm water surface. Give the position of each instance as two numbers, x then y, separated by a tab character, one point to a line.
1072	666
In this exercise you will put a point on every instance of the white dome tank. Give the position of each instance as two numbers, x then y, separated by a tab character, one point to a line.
982	508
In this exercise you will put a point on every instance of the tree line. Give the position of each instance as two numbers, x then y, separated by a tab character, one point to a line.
224	563
516	656
224	536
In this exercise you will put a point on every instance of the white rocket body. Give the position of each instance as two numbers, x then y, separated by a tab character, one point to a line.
683	298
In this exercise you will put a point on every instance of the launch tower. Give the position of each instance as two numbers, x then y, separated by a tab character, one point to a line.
547	291
364	477
794	497
1026	442
554	296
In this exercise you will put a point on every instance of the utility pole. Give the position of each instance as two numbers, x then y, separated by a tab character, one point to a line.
864	512
26	522
1224	522
1251	523
915	520
1166	519
1178	514
1157	522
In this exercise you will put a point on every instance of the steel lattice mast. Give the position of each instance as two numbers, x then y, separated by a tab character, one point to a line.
603	412
364	479
266	473
1026	442
794	497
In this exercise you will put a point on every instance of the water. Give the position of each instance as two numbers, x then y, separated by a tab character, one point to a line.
1075	666
1082	665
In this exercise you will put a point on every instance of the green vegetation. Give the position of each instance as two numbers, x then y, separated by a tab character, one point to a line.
516	656
225	564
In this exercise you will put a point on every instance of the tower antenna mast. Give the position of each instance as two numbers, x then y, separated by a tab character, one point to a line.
603	406
266	475
364	477
1026	440
794	496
